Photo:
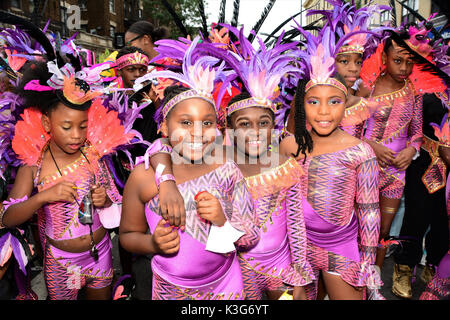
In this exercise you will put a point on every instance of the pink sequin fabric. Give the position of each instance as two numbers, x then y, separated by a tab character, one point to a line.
341	212
280	255
61	218
194	272
396	124
359	112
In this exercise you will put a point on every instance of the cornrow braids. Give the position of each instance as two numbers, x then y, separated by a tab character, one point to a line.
302	136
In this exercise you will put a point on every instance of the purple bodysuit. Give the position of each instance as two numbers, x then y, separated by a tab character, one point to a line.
193	272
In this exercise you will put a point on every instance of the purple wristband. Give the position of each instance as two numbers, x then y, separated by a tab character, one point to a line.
163	178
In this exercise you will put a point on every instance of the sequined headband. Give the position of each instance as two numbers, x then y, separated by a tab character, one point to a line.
328	82
251	102
132	59
352	48
188	94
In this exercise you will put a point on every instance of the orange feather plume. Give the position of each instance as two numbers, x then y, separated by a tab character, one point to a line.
75	94
104	129
30	137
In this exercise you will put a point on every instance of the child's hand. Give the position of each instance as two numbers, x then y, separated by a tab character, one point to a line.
99	197
404	158
172	204
385	156
209	208
166	240
64	191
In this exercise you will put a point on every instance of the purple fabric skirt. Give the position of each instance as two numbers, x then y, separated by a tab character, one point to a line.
341	240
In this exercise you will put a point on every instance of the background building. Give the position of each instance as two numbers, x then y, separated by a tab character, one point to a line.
102	23
422	7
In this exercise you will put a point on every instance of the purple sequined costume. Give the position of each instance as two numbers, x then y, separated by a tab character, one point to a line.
66	272
355	118
396	124
342	217
280	255
193	272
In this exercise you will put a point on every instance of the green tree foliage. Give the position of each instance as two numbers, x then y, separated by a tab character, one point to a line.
187	11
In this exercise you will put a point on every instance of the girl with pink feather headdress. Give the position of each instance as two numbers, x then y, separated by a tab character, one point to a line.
198	261
339	184
343	19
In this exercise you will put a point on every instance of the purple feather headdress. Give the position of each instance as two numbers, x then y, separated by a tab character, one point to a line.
199	72
319	57
344	18
261	71
19	41
11	106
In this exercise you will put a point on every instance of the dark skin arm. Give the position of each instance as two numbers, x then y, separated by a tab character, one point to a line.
21	212
139	189
170	199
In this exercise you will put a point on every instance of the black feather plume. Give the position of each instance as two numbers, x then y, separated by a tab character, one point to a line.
261	20
223	4
201	8
420	61
175	17
235	19
74	61
419	17
272	34
31	29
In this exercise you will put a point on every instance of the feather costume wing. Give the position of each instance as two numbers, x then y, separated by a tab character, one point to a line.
104	129
29	137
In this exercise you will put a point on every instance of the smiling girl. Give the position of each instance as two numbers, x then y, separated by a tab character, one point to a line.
198	261
339	187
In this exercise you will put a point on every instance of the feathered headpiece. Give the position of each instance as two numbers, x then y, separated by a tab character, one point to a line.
76	89
261	70
344	18
318	60
197	72
426	76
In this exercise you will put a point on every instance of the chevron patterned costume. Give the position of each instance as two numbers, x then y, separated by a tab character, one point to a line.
66	272
280	255
59	221
396	124
342	236
194	272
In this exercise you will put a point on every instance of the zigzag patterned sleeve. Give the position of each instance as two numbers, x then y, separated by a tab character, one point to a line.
367	206
296	232
415	134
244	215
103	176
